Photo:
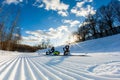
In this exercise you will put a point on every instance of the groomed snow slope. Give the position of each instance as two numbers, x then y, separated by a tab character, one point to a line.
101	45
36	66
107	44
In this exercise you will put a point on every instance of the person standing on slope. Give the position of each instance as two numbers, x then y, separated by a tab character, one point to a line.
66	50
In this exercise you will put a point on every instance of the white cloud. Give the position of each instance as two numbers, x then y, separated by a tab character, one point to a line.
63	13
52	34
83	10
57	36
72	23
41	5
54	5
30	40
89	0
58	32
12	1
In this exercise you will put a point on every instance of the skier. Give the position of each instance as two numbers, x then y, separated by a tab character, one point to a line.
66	50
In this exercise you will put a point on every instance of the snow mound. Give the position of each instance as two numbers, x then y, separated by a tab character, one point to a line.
112	68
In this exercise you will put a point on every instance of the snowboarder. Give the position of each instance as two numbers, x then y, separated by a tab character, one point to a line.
54	52
66	50
50	51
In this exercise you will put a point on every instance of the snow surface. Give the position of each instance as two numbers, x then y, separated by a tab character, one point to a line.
101	61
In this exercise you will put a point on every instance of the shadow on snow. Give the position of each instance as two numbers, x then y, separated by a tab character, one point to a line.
56	60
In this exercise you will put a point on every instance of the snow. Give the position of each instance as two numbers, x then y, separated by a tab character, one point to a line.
101	61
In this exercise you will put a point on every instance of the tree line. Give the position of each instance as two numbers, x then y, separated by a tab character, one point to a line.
105	22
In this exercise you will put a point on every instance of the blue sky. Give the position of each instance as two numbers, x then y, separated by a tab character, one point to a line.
55	20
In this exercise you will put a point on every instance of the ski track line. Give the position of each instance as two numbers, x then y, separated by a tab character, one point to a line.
84	76
5	61
18	72
10	71
14	70
5	74
75	68
37	71
48	74
42	61
5	65
67	60
74	75
30	67
63	76
78	67
33	72
52	73
26	73
90	76
2	59
87	76
74	65
45	59
32	75
22	75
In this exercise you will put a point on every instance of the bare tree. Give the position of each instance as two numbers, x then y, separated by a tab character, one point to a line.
107	18
9	31
115	8
91	23
102	23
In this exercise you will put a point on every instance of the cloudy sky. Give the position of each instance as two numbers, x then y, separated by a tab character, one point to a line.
53	19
